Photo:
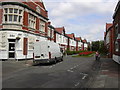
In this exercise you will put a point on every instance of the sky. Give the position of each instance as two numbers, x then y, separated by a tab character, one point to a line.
84	18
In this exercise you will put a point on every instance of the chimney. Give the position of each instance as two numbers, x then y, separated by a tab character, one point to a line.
49	23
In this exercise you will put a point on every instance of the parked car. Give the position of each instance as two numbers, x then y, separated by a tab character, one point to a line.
47	52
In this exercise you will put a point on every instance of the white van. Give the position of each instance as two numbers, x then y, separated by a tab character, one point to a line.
47	52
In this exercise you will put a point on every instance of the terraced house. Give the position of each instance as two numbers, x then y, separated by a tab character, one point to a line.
25	22
116	27
78	43
112	36
61	38
71	42
21	25
109	39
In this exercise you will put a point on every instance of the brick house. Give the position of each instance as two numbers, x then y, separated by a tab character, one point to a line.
116	27
71	42
51	31
78	43
61	38
108	39
84	44
21	24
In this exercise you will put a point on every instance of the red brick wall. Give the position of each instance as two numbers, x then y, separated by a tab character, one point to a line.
25	20
37	23
76	45
54	36
46	28
25	46
116	21
33	6
68	42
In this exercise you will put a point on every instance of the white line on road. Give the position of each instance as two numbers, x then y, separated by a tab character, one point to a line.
84	76
77	84
74	67
69	71
50	66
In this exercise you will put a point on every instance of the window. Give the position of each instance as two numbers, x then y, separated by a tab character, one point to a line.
49	32
52	33
13	15
42	26
116	46
116	31
32	21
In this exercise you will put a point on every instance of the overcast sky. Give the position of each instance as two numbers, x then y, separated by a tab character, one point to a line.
84	18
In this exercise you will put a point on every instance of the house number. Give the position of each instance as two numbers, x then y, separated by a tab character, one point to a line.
12	35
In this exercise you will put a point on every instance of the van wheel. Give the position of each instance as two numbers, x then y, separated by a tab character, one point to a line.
55	61
62	58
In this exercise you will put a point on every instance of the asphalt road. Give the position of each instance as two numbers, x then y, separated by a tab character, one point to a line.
73	72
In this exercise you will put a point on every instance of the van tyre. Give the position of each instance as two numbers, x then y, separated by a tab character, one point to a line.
55	61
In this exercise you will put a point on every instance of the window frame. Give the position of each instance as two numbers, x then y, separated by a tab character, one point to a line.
32	21
6	15
42	26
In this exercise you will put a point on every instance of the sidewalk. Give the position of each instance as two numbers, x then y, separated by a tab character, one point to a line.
109	75
9	67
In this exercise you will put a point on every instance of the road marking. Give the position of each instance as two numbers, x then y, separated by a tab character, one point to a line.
84	76
74	67
69	71
77	84
53	65
77	65
50	66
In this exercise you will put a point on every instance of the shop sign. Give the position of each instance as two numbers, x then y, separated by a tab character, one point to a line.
3	41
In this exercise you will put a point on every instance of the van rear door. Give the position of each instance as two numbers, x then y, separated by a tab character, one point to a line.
37	50
44	50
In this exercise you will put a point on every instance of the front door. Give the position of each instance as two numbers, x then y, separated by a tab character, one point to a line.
11	49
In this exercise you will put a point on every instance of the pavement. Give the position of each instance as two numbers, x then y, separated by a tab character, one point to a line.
108	75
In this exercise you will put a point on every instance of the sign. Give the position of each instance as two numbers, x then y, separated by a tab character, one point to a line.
3	41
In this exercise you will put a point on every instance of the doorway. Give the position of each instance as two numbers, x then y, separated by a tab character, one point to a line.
11	49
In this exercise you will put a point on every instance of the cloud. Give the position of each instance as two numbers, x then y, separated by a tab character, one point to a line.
82	17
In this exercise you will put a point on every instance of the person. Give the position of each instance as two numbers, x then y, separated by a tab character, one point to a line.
97	56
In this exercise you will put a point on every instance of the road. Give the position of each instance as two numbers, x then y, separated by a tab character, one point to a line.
73	72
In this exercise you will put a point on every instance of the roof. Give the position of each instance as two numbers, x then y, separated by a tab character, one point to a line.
70	35
84	41
78	38
108	25
60	30
116	9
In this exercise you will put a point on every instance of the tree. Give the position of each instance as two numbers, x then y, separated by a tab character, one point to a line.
95	46
99	46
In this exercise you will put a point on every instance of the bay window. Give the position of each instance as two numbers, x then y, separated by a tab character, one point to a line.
13	15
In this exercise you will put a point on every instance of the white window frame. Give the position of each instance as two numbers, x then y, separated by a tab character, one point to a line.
32	21
19	15
49	32
42	26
